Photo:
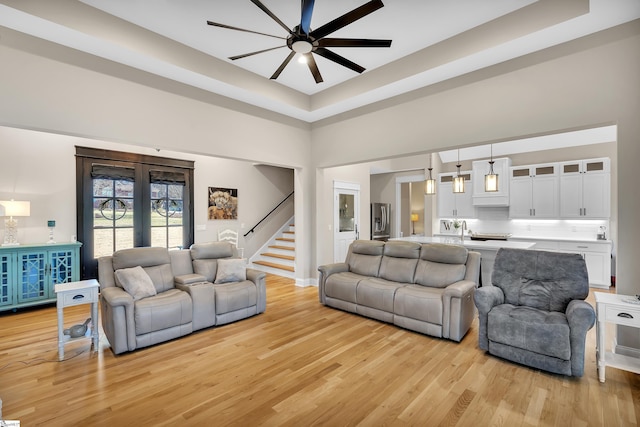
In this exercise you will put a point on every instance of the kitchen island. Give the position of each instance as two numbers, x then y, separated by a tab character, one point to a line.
487	249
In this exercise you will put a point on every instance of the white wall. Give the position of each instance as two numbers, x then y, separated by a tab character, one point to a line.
40	167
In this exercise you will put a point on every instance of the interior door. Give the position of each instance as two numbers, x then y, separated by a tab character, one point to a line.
346	207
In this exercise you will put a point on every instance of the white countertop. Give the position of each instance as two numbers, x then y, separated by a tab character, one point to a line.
471	244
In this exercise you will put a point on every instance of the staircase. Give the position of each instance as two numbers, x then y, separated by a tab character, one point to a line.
278	255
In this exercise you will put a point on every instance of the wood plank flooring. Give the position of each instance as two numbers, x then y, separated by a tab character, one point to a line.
297	364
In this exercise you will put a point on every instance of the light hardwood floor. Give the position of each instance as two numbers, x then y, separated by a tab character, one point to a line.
297	364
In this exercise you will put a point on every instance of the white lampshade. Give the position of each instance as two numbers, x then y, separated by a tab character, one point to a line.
15	208
458	184
491	182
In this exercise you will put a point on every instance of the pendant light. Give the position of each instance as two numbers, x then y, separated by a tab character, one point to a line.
491	179
458	181
430	183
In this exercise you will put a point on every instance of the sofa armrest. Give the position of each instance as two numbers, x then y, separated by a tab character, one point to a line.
118	320
458	289
326	271
485	299
189	279
259	278
457	309
203	302
581	317
488	297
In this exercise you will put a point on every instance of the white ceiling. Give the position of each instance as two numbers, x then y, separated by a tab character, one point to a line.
432	41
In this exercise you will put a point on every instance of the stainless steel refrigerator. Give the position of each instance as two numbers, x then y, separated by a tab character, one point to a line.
380	221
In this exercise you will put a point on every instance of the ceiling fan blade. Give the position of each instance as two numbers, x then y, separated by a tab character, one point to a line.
338	42
284	64
313	67
268	12
305	19
229	27
346	19
332	56
233	58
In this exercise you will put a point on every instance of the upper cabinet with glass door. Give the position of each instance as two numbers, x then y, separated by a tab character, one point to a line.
585	189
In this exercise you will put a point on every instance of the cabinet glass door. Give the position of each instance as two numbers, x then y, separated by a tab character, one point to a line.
61	268
32	276
6	279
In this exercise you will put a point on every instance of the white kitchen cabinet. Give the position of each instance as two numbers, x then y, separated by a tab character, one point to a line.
534	191
585	189
597	255
493	198
455	205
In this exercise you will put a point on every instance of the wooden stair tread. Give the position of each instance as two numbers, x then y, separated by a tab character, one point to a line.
287	257
289	232
284	239
285	248
274	265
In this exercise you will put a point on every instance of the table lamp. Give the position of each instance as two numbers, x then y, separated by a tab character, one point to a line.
10	209
414	218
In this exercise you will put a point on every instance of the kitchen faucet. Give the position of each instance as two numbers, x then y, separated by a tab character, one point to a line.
463	226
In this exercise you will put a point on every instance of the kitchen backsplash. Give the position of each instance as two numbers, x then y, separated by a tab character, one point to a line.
496	220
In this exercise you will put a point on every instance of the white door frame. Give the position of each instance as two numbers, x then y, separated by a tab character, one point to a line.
398	214
349	186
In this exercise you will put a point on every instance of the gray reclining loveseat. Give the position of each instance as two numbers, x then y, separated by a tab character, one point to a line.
427	288
151	295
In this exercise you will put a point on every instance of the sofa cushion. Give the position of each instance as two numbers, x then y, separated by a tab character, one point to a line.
235	296
420	303
211	250
444	253
437	274
144	257
206	267
527	328
377	293
136	282
343	286
162	311
565	273
231	270
364	257
161	276
399	261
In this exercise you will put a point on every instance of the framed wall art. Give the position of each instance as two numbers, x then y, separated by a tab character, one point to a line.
223	203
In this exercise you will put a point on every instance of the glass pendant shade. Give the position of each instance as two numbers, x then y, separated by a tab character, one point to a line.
491	180
430	184
458	180
430	187
458	184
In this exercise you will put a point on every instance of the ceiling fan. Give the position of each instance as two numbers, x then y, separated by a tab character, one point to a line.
305	41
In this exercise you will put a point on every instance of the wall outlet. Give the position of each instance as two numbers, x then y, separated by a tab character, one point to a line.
201	227
573	228
242	226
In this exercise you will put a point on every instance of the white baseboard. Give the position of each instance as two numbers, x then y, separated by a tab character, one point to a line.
303	283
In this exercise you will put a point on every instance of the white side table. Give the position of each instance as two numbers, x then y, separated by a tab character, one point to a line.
76	293
614	309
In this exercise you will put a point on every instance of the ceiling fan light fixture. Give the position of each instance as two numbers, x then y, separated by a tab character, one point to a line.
301	46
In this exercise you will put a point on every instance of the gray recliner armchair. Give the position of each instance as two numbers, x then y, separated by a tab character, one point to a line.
533	312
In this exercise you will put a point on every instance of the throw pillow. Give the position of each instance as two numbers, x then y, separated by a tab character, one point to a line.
536	294
231	270
136	282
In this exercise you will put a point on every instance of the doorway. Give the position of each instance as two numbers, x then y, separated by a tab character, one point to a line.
346	214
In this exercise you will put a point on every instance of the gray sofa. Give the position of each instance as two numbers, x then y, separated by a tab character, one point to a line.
426	288
533	312
182	297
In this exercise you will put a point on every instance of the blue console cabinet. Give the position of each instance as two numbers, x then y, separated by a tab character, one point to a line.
28	273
